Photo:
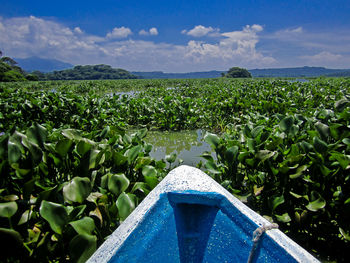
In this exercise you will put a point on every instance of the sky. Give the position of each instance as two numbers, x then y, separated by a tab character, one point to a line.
179	36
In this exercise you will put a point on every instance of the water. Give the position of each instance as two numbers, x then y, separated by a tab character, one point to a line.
131	93
299	80
188	145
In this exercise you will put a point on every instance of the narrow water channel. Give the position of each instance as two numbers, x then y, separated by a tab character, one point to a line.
188	145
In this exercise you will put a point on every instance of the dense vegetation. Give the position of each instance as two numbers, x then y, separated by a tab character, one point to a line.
71	172
88	72
236	72
9	71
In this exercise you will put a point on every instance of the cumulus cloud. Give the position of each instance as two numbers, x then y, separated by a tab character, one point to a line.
119	32
200	31
236	47
151	32
78	30
32	36
323	58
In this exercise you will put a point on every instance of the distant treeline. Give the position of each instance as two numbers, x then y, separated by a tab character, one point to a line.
88	72
10	71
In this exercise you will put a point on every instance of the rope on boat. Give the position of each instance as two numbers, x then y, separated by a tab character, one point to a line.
256	237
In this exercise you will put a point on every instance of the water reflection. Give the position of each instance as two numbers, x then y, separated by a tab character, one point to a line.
299	80
131	93
188	145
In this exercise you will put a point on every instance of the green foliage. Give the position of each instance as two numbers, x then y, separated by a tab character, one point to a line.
9	72
237	72
86	72
62	193
293	169
12	75
283	148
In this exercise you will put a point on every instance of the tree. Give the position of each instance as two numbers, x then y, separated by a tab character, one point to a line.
9	61
237	72
9	71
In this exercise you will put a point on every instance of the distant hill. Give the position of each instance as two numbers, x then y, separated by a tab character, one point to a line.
271	72
294	72
345	73
87	72
41	64
190	75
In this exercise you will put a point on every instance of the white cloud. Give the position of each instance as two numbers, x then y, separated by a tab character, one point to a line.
237	47
119	32
32	36
143	32
78	30
323	58
152	32
200	31
294	31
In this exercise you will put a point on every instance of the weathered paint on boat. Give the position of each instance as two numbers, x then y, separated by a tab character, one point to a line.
189	217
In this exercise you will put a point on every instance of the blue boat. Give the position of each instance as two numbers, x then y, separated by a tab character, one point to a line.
189	217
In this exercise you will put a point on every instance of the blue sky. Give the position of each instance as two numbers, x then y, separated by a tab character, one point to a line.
179	36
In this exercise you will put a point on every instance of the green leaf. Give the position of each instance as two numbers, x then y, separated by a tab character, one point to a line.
55	214
256	131
127	139
340	105
125	204
77	190
26	216
231	154
14	152
34	150
299	196
212	168
81	247
37	134
141	133
149	170
171	158
251	144
8	209
76	211
322	129
347	201
276	201
320	146
151	181
263	155
133	153
142	187
317	204
286	124
212	139
307	147
85	225
93	159
72	134
285	218
105	132
344	160
344	234
83	147
63	146
119	159
118	183
299	172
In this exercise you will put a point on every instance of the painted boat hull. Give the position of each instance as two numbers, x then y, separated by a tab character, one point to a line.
189	217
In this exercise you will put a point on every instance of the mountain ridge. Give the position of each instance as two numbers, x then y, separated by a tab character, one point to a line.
42	64
49	65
